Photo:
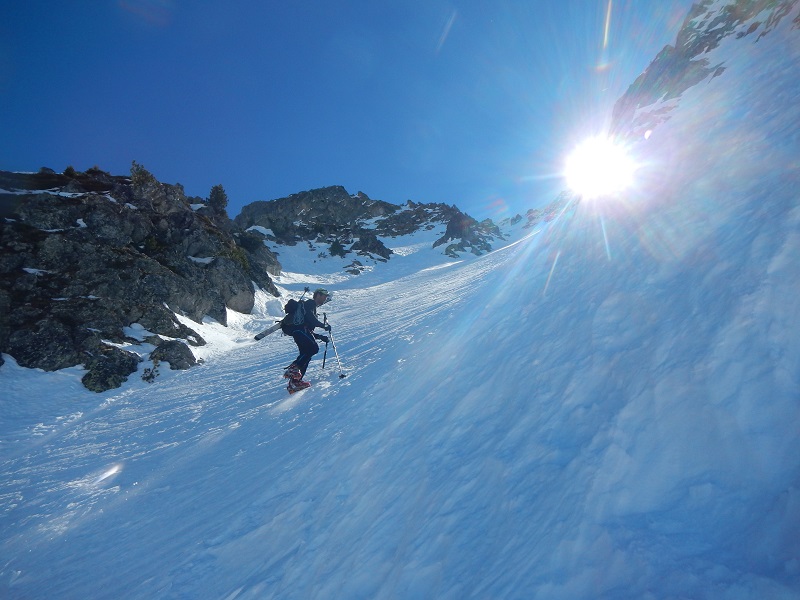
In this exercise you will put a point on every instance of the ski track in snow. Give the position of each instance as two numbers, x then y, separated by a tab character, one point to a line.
425	434
103	456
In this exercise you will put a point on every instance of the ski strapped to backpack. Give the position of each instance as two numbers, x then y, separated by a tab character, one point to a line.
287	323
268	330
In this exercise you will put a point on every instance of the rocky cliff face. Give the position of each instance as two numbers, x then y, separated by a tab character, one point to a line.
85	255
89	261
304	216
352	223
690	61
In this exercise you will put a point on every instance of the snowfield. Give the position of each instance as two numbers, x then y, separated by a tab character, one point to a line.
608	407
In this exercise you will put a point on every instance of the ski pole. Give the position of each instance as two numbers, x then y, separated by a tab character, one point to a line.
325	354
341	373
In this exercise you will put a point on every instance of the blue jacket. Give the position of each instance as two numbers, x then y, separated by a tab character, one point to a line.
311	315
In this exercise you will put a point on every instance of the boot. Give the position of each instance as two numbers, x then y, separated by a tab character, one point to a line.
297	385
292	372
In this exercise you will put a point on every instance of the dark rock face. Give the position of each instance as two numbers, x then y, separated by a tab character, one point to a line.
470	235
352	224
327	215
682	66
109	368
176	353
84	256
313	214
369	244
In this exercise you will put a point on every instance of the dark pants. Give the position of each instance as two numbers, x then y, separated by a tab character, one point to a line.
307	346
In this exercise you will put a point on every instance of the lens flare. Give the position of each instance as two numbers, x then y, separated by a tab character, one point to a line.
598	167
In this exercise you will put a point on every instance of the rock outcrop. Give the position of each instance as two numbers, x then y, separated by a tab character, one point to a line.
655	94
353	223
89	261
85	255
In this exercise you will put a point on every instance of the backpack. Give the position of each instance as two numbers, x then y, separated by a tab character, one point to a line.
295	316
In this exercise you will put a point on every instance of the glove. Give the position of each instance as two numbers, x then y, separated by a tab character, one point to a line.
323	338
327	326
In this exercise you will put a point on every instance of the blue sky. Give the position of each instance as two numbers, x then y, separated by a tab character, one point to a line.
469	103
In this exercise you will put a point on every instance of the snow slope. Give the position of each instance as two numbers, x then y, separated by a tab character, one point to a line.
608	408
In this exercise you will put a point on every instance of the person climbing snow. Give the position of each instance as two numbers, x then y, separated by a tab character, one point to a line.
302	330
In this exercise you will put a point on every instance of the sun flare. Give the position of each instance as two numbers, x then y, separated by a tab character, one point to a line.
598	167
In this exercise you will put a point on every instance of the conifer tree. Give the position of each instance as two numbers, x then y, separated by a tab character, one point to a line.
218	199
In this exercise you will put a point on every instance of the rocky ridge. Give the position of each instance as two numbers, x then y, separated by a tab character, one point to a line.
352	224
83	256
94	265
677	68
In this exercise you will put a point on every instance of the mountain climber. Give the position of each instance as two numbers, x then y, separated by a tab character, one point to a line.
306	339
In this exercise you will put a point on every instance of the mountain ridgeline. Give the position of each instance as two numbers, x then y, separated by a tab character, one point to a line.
353	224
688	62
95	267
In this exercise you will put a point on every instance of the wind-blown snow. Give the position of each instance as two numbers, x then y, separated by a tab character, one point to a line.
630	433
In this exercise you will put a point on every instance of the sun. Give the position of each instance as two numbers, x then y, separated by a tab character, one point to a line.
598	167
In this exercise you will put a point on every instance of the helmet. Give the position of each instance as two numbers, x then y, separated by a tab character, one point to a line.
323	292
